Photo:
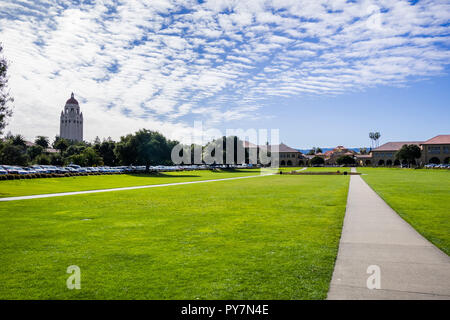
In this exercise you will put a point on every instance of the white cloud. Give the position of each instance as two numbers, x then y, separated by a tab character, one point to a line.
161	64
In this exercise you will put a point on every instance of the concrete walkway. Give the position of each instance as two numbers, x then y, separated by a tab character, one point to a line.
61	194
374	234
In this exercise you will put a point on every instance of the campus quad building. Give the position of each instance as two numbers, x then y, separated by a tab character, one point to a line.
331	156
436	150
288	157
384	155
71	121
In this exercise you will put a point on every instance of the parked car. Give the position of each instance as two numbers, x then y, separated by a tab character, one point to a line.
61	170
30	170
15	170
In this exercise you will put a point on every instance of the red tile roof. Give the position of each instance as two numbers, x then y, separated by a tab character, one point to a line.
248	144
394	146
440	139
284	148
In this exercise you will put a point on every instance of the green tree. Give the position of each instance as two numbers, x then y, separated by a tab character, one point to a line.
91	157
43	159
345	160
145	147
61	144
13	155
17	140
5	98
409	153
74	149
238	149
314	150
317	160
106	150
34	151
126	150
374	136
42	141
56	159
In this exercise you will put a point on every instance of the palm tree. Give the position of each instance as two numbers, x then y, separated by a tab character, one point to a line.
372	137
377	136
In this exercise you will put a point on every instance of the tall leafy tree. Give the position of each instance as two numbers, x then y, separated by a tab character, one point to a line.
17	140
314	150
377	137
317	160
5	98
34	151
106	150
346	160
372	138
145	147
409	153
233	155
13	155
42	141
61	144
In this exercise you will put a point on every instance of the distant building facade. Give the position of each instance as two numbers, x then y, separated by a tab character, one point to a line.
331	156
436	150
71	121
288	157
384	155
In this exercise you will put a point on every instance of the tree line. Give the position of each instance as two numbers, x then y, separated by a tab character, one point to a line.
145	147
142	148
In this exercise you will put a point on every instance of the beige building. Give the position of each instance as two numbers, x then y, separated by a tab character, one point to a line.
384	155
288	157
436	150
71	121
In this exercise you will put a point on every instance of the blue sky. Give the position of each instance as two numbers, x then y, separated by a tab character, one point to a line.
324	73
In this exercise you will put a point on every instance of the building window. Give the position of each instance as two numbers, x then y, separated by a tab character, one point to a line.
434	150
446	149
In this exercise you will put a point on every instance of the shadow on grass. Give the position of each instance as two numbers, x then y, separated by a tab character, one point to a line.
222	170
160	175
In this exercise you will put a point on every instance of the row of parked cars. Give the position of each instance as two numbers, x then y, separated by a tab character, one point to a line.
73	168
437	166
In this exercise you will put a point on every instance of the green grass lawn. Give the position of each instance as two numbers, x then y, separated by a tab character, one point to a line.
420	197
273	237
289	169
327	169
11	188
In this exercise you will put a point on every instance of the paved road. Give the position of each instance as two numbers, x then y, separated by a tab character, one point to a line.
49	195
374	234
